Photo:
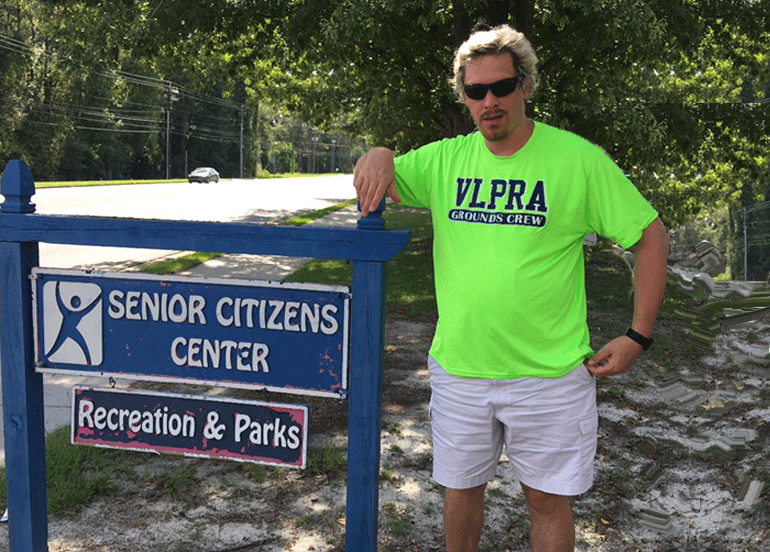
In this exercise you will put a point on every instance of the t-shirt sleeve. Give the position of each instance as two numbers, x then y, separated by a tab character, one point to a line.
616	209
412	175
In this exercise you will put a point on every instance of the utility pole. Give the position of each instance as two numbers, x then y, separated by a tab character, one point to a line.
241	143
745	248
168	130
172	93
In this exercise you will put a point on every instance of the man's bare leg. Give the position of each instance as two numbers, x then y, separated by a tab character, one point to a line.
463	518
553	527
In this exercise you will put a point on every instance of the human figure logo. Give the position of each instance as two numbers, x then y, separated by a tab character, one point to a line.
73	330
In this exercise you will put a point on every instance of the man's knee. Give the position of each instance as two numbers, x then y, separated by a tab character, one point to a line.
544	503
465	496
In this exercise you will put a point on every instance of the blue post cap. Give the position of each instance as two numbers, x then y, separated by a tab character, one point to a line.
18	187
374	220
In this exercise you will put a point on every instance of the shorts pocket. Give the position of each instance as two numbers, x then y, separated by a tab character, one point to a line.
589	426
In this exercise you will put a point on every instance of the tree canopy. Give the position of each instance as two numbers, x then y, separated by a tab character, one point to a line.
676	91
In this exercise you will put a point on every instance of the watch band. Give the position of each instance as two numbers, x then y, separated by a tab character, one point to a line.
645	342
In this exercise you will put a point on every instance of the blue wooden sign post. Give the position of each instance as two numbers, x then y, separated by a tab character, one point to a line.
22	387
369	246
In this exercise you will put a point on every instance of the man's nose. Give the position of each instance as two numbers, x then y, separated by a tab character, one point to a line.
490	99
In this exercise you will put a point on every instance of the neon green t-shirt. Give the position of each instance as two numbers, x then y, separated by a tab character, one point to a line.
508	254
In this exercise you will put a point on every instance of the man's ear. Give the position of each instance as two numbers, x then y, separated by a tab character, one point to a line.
526	88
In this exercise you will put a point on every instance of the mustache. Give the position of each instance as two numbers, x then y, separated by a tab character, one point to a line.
492	114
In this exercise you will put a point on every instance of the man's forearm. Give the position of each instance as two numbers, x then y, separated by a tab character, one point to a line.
650	275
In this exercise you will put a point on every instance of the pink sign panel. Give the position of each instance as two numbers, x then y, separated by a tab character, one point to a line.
246	431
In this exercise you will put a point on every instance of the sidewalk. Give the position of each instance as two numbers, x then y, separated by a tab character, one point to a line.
57	393
269	267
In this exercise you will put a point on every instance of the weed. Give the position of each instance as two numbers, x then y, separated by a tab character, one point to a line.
176	481
239	491
495	492
611	391
619	479
304	218
393	429
424	461
256	472
178	264
75	474
303	520
326	460
390	477
400	520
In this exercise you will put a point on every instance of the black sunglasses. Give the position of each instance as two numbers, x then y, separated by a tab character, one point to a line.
500	88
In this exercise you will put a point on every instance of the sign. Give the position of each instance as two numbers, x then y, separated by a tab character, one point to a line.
247	431
291	338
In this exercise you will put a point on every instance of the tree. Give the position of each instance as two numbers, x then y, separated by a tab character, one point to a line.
664	86
676	91
88	89
71	118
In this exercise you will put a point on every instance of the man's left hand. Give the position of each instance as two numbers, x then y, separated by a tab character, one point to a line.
615	357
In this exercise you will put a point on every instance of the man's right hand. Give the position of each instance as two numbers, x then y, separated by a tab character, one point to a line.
374	175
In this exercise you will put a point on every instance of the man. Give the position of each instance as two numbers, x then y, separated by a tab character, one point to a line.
510	362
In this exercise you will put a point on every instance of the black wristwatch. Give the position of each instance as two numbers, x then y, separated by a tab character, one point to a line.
645	342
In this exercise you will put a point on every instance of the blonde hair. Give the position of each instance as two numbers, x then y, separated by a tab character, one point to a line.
495	41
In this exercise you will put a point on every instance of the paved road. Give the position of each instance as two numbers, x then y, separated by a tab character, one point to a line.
260	201
248	201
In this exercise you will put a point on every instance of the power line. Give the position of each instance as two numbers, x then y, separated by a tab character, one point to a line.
207	124
169	86
16	46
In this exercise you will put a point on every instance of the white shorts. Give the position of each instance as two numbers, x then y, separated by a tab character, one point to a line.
548	427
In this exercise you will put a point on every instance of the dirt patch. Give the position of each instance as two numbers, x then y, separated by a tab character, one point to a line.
683	444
